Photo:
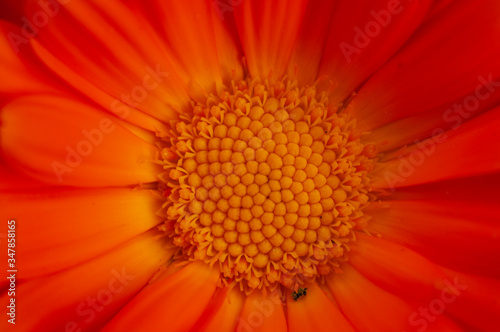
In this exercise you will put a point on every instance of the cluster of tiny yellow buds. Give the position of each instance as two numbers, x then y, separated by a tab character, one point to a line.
267	183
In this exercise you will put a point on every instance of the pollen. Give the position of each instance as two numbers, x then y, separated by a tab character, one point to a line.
267	183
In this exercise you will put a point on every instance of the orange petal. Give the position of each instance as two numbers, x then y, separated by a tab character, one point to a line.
262	313
315	312
310	42
21	70
392	266
457	234
174	303
87	296
12	179
366	306
421	87
268	30
187	38
116	107
228	49
222	312
62	141
363	35
469	150
122	64
54	231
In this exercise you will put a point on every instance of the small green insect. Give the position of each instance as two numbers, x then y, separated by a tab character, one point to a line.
299	293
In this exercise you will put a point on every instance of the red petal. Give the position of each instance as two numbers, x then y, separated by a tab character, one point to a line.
363	35
475	302
457	234
438	6
365	305
479	189
11	10
472	149
393	267
440	70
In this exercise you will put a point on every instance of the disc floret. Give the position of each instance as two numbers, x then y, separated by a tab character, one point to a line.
267	182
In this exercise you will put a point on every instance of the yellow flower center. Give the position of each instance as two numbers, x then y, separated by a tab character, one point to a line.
267	182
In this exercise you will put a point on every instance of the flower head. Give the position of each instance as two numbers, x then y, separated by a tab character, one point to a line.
250	165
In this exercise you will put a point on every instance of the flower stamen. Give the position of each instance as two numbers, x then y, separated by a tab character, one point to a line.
268	183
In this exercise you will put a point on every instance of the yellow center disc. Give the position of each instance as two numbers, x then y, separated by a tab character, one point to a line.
267	182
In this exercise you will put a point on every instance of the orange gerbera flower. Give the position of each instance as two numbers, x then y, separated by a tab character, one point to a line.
237	165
